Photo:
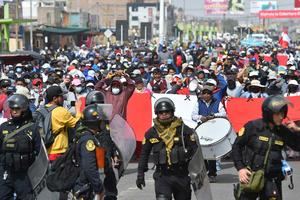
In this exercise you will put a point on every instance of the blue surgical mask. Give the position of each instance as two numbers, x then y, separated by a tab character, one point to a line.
19	70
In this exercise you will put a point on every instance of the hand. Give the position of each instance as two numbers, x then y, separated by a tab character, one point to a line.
109	75
244	175
115	162
292	125
99	196
179	82
140	182
203	119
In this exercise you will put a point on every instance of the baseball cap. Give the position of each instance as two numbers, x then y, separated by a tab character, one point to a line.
76	82
53	91
212	81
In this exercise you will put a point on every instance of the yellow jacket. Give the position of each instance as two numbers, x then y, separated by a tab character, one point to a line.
61	120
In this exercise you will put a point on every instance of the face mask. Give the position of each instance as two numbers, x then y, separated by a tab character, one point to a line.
293	88
255	90
78	90
231	85
36	90
19	70
115	90
189	75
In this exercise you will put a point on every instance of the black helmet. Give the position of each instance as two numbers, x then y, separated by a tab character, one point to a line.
94	97
164	104
18	101
274	104
93	114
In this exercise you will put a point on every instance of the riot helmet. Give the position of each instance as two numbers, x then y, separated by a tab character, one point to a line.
94	97
274	104
94	116
19	105
164	104
18	101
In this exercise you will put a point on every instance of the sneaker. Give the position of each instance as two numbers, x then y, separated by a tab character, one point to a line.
212	179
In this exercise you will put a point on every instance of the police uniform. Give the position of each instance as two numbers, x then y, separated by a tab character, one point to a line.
171	178
17	154
110	182
250	148
89	180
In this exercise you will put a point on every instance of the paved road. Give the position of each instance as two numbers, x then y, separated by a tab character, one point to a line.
222	190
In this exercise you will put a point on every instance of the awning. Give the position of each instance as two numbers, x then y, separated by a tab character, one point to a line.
64	30
18	57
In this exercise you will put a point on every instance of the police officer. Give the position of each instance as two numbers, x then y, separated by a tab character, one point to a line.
89	182
251	146
111	153
173	144
20	143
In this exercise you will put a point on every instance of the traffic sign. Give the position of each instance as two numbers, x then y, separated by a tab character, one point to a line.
108	33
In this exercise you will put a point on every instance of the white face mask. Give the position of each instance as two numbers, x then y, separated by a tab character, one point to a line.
36	90
78	89
115	90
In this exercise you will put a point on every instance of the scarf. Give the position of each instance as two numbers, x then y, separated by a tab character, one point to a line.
167	134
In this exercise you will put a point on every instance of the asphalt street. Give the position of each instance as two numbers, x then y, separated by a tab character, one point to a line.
222	190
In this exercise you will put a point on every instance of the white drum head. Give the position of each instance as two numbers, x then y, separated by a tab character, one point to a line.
213	131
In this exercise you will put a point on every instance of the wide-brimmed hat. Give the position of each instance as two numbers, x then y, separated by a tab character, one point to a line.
256	83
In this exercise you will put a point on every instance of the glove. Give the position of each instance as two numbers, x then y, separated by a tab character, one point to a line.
140	182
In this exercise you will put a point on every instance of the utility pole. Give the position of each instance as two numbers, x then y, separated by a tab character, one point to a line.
17	25
161	21
31	35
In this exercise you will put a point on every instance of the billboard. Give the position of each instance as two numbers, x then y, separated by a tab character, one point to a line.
279	14
236	6
216	6
256	6
297	4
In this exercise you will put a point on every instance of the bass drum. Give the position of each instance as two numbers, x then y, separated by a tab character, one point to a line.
216	138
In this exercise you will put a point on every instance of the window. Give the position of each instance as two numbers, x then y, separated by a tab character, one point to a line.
134	18
134	8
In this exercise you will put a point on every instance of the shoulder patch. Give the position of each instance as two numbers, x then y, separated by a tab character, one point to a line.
279	142
153	140
90	145
241	132
263	138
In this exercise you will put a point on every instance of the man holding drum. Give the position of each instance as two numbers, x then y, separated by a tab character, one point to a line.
208	108
258	147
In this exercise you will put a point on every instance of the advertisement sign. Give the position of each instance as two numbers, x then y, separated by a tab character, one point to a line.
256	6
297	4
216	6
279	14
236	6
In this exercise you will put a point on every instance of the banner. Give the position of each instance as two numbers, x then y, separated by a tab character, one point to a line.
241	110
236	6
140	111
256	6
279	14
297	4
216	6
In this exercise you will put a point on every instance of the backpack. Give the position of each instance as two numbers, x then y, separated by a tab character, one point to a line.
178	60
64	171
44	120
